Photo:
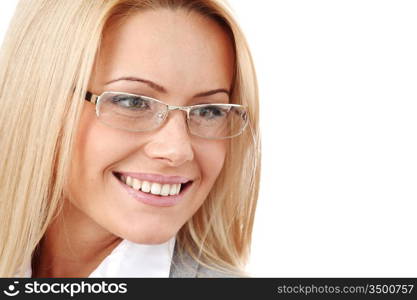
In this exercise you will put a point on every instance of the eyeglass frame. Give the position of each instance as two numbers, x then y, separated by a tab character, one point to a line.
94	99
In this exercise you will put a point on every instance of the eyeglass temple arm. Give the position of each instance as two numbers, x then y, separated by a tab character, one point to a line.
91	97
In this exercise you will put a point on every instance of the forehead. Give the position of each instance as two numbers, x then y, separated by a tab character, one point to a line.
181	50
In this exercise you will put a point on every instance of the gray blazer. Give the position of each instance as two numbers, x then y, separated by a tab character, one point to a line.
184	266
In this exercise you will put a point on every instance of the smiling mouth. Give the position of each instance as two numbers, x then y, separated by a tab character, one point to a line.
154	188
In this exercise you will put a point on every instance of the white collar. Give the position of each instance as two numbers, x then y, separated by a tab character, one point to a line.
129	259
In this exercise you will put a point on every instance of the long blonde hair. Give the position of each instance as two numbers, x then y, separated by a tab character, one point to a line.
45	64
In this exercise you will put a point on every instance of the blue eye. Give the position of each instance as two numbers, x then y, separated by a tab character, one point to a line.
210	112
131	102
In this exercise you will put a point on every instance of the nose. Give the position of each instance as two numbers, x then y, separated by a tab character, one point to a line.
171	143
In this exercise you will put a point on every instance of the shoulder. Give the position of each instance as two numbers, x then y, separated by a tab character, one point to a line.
204	272
185	266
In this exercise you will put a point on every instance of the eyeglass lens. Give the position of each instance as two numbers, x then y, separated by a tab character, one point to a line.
139	113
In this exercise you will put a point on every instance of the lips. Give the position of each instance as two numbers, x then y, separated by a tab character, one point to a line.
154	177
155	190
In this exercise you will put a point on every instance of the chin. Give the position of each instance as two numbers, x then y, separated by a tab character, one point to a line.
151	240
149	237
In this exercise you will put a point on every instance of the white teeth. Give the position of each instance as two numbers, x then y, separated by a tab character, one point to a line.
146	187
173	189
136	184
152	187
165	189
155	188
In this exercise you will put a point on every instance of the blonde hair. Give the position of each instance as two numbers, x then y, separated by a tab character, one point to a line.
45	64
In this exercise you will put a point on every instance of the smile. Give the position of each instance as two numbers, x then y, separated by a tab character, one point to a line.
154	190
152	187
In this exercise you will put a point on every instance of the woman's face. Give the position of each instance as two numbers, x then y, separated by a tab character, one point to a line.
171	56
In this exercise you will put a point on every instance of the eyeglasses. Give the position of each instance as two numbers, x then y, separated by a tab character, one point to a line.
138	113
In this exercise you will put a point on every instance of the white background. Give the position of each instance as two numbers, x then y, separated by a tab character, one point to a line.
338	86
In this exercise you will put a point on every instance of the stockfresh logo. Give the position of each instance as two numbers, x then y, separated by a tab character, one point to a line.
12	290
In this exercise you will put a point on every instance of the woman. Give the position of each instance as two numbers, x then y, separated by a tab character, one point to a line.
129	140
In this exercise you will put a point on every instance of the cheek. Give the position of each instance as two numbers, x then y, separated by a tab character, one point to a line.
93	155
91	143
210	157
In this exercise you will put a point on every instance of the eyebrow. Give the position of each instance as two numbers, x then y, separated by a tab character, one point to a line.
161	89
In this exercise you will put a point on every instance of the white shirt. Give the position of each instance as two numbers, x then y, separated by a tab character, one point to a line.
129	259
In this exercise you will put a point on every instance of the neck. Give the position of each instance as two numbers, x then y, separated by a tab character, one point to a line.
73	246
